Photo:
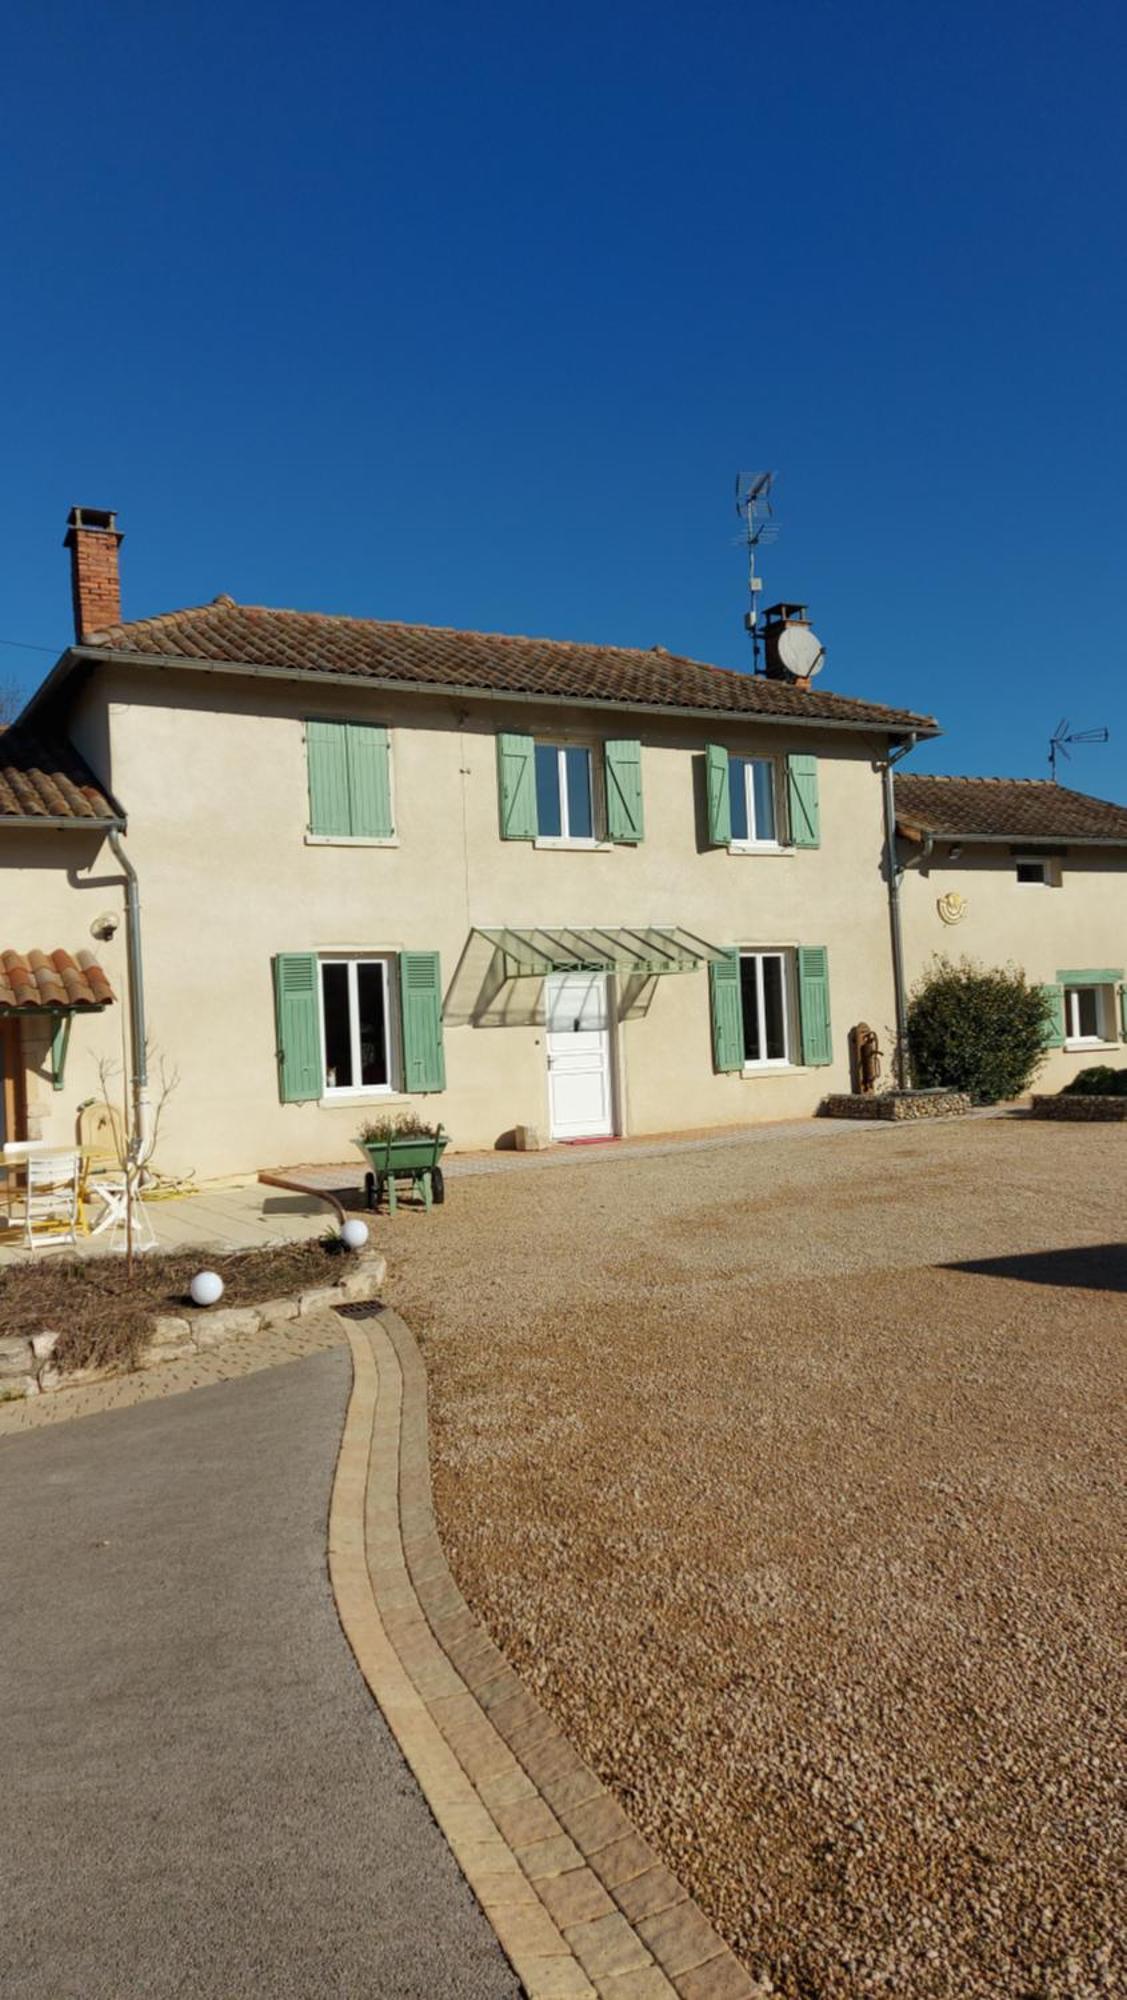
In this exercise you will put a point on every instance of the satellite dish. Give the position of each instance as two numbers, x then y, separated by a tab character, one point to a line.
800	651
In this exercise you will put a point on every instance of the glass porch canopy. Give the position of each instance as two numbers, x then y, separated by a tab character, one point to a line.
645	952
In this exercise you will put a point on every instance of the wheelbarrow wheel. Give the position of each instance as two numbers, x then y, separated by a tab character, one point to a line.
437	1186
370	1189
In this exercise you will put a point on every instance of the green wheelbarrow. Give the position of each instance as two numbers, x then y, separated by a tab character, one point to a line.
412	1157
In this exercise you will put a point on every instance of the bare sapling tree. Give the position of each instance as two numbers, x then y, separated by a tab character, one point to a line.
136	1172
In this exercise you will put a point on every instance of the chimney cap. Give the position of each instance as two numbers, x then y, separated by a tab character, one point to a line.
786	614
92	520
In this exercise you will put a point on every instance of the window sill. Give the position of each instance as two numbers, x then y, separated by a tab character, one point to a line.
370	1094
752	1070
1085	1046
350	840
758	847
575	846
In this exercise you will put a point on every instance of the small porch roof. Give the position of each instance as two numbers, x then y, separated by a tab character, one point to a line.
643	950
51	982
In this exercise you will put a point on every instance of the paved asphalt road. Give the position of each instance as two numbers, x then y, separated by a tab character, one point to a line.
197	1795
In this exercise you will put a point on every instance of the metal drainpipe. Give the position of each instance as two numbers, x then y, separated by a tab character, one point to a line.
140	1143
898	987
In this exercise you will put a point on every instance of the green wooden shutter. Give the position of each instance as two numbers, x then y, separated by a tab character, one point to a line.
727	1012
719	797
1054	1027
369	781
420	994
802	800
1123	1012
298	1024
814	1004
623	767
326	750
516	787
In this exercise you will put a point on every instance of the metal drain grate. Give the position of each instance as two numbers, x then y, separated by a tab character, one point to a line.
367	1309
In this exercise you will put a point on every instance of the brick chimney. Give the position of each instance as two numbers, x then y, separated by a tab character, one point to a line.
93	540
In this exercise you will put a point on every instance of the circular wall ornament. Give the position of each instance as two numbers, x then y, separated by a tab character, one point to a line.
952	907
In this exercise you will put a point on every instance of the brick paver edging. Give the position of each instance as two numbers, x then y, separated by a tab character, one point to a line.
580	1903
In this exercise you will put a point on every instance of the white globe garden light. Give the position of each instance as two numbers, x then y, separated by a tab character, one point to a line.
354	1234
206	1288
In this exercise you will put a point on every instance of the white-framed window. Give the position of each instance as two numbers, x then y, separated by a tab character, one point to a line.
753	789
765	990
358	1029
1089	1014
566	804
1033	871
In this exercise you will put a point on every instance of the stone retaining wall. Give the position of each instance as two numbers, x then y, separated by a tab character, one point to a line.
27	1365
896	1104
1086	1109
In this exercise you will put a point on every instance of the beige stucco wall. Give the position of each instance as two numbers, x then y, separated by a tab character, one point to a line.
212	771
1082	923
55	883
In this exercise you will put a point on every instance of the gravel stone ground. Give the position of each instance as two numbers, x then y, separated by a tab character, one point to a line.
811	1536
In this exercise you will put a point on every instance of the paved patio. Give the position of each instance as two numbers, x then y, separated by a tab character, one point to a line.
245	1217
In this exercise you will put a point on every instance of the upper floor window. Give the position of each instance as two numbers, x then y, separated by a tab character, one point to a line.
349	767
757	803
565	793
569	794
1035	871
752	784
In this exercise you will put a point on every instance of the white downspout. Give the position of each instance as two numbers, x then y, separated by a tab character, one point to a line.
140	1141
899	987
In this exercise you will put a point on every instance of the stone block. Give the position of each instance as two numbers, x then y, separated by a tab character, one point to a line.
14	1387
528	1139
360	1285
275	1312
319	1298
43	1344
213	1328
16	1356
169	1331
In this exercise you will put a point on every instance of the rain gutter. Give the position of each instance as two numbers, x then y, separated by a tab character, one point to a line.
458	691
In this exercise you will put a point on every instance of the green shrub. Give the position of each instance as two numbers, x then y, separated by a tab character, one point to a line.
977	1028
1099	1081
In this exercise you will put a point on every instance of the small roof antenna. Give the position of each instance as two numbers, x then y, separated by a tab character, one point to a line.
753	505
1064	734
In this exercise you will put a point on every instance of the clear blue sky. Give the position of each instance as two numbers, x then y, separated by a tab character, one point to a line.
469	315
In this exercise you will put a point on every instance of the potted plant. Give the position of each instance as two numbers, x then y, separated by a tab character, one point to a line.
402	1148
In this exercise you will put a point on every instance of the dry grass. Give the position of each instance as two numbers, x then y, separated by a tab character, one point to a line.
104	1317
809	1532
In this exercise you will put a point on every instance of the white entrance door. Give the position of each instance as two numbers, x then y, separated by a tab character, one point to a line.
580	1102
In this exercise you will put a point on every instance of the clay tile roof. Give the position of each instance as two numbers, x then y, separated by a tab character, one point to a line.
365	649
997	808
41	780
52	979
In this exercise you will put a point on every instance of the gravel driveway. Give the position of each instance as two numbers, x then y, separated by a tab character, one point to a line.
810	1534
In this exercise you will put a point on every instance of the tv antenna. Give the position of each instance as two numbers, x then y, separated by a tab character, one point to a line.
753	505
1064	734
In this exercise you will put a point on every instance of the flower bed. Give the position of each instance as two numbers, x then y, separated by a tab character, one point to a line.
78	1319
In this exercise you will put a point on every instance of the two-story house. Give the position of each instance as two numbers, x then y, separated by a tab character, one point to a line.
502	881
1027	872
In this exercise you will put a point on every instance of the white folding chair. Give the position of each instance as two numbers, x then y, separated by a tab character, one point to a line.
51	1200
112	1190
